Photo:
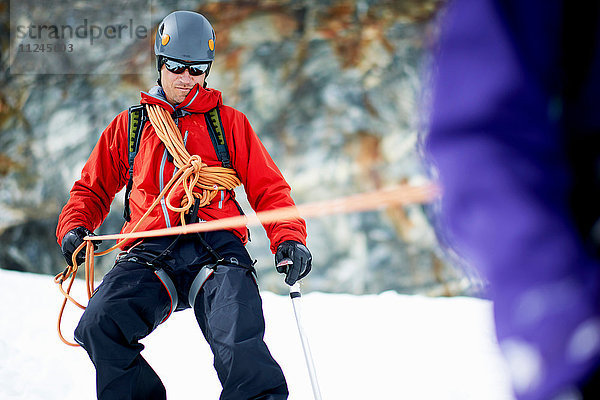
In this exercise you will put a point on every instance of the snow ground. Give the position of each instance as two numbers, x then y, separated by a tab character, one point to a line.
386	346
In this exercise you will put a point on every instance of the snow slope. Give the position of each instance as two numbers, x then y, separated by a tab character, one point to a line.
386	346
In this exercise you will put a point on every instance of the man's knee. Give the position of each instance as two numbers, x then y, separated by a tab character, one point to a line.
96	328
109	326
88	326
237	323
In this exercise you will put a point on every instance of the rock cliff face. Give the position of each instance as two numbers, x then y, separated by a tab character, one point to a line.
333	89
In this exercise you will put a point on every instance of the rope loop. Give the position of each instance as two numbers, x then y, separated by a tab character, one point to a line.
196	164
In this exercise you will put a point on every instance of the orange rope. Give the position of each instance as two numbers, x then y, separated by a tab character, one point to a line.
397	195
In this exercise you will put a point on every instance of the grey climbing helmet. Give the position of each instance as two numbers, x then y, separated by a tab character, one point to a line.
185	35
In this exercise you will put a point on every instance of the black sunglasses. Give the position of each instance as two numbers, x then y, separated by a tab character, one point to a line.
177	67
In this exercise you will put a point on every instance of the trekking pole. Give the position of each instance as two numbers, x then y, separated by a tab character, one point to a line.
295	296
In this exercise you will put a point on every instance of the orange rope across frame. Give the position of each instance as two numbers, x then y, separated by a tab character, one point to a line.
398	195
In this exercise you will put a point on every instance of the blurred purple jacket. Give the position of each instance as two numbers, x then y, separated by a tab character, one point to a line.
514	137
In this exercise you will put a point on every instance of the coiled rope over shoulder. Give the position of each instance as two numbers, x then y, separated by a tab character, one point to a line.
198	180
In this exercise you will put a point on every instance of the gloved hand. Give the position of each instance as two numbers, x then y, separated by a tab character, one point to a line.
72	240
294	260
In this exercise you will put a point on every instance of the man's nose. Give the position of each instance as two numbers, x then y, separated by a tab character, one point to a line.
185	76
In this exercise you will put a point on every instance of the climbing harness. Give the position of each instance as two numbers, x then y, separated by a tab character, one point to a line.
167	282
202	276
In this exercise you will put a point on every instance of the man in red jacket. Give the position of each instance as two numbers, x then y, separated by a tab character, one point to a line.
211	273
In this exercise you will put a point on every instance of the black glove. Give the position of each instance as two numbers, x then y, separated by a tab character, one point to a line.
298	259
72	241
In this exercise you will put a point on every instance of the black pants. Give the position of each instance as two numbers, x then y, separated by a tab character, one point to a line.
131	302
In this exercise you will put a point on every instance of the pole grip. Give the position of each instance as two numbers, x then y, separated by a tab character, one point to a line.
295	291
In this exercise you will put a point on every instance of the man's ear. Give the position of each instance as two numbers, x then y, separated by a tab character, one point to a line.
159	67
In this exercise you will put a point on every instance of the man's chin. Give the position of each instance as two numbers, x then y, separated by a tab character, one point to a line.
178	99
182	95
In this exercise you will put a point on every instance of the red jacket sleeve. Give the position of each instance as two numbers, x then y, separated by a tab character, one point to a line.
103	175
265	186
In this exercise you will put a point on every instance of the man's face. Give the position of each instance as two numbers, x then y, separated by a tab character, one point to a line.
177	86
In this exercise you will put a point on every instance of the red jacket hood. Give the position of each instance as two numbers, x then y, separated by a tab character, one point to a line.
199	100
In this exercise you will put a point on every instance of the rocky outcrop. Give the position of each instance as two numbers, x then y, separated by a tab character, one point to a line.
332	88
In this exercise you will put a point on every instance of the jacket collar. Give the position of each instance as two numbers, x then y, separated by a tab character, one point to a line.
199	100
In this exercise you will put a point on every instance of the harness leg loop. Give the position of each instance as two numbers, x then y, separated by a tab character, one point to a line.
204	273
170	287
